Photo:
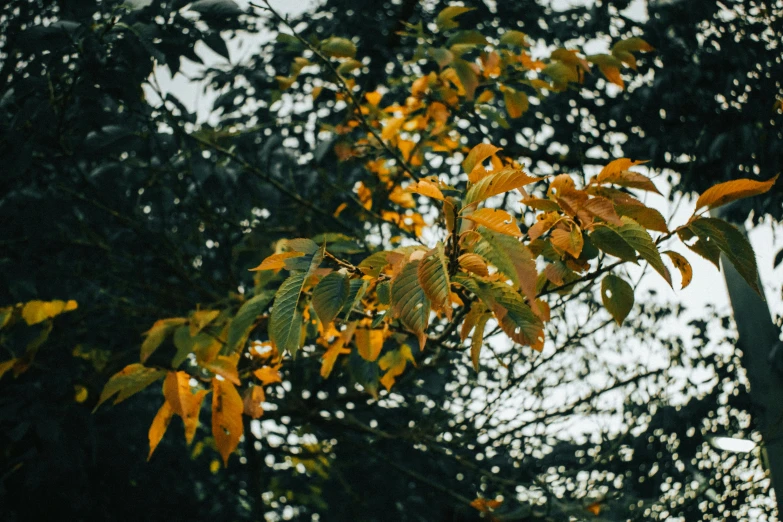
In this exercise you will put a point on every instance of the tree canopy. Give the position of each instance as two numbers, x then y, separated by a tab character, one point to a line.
391	266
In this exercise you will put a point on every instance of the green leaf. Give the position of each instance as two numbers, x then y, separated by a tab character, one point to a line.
617	296
641	241
610	241
512	258
434	278
187	344
356	290
516	318
243	321
478	340
329	296
285	323
732	243
157	334
445	19
514	39
336	47
409	302
467	77
129	381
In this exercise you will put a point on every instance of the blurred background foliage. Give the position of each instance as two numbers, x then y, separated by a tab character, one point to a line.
139	209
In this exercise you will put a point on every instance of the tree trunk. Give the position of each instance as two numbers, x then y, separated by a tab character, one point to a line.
758	340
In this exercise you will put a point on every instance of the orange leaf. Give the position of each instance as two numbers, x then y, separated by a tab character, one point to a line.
497	183
478	155
369	343
224	366
276	261
613	75
543	223
268	375
615	167
497	220
329	357
374	98
733	190
426	188
159	425
176	389
594	508
474	263
570	241
251	404
227	410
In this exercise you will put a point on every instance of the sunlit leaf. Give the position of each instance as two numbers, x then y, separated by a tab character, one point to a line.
477	156
496	220
615	167
497	183
227	410
733	190
426	188
617	296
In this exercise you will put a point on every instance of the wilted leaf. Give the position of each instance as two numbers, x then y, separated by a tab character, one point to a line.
617	296
128	381
496	220
733	190
329	296
681	264
252	403
227	410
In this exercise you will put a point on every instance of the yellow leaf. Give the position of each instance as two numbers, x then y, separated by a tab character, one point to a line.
369	343
80	393
733	190
224	366
128	381
6	365
394	363
251	404
227	410
477	155
268	374
200	319
478	340
634	44
276	261
176	389
497	220
681	264
497	183
159	426
329	357
445	19
426	188
157	334
373	98
35	312
473	263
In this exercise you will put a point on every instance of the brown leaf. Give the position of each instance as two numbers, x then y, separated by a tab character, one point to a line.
251	404
733	190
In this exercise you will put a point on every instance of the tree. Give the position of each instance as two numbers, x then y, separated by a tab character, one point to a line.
197	191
